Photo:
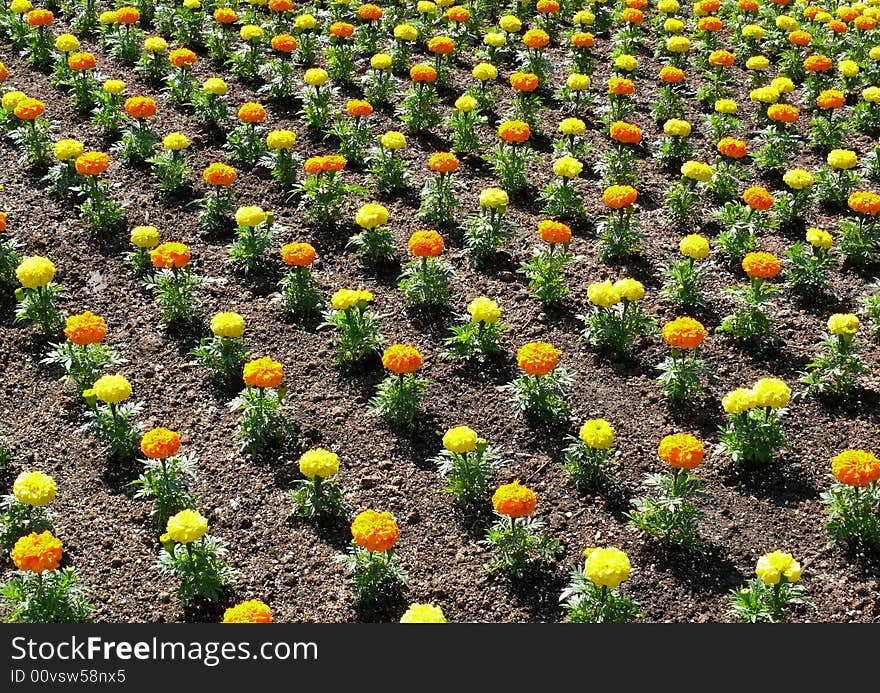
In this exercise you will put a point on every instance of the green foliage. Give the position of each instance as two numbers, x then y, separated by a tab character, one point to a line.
670	516
473	340
357	333
299	292
835	368
374	573
55	596
759	602
318	498
682	286
545	272
175	290
18	519
590	468
618	328
468	473
397	399
542	396
167	481
753	436
807	271
223	355
39	306
201	567
82	364
114	424
263	417
517	546
586	602
425	282
853	513
752	321
681	375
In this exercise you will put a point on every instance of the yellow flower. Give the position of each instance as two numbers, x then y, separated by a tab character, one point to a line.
496	39
380	61
798	179
725	106
603	294
572	126
250	32
678	44
113	86
843	323
460	440
318	462
673	26
250	216
510	24
305	22
842	158
771	392
583	17
316	76
34	489
782	84
668	6
192	4
597	433
738	401
145	236
281	139
786	23
607	567
758	63
626	62
155	44
423	613
753	31
67	43
694	246
630	289
214	86
696	170
11	99
484	72
344	299
186	527
466	103
406	32
871	94
20	6
771	567
112	389
567	167
35	271
819	238
426	7
393	140
493	198
874	53
578	82
764	94
371	216
227	324
175	141
848	68
68	149
484	309
677	128
107	17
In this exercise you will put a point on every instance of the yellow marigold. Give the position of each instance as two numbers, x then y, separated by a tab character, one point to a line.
85	328
629	289
603	294
758	63
227	324
848	68
607	567
67	43
318	462
250	611
753	31
738	401
761	265
677	128
493	198
597	433
484	309
871	94
298	254
160	443
694	246
772	567
578	82
567	167
842	159
514	500
484	72
466	103
725	106
696	170
572	126
538	358
678	44
35	271
460	439
250	216
380	61
798	179
263	372
11	99
510	23
214	86
843	324
619	196
155	44
175	141
684	333
375	531
393	140
626	62
280	139
406	32
305	22
186	527
251	32
145	236
371	216
423	613
783	85
767	95
112	389
819	238
401	359
316	76
37	553
771	392
344	299
856	467
34	488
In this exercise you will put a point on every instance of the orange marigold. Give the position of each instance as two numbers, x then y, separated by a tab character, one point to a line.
160	443
837	27
443	162
92	163
427	243
298	254
671	74
369	12
280	5
333	163
375	531
314	164
732	147
709	24
632	16
619	196
284	43
625	132
681	450
864	23
2	222
758	197
864	202
783	113
81	61
40	17
538	358
818	63
225	15
85	328
524	81
127	15
684	333
536	38
761	265
514	131
401	359
721	58
514	500
856	467
830	98
140	106
250	611
37	553
441	45
422	73
182	57
582	39
747	5
251	112
358	108
219	174
554	231
621	86
263	372
341	29
800	38
458	14
29	109
169	255
547	6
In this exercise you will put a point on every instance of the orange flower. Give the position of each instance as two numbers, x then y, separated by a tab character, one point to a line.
732	147
250	611
40	17
837	27
29	109
864	202
747	5
251	112
721	58
625	132
92	163
263	372
830	98
810	11
538	358
547	6
127	15
375	531
441	45
458	14
314	164
524	81
358	108
369	12
280	5
219	174
514	500
2	222
160	443
333	163
554	231
681	450
170	255
758	197
37	552
514	131
761	265
536	38
225	15
443	162
582	39
284	43
632	16
182	57
709	24
4	72
341	29
783	113
426	243
856	467
401	359
85	328
684	333
800	38
298	254
81	61
818	63
671	74
140	107
619	196
621	86
638	4
422	73
864	23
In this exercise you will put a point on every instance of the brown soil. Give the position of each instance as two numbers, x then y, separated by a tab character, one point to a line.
290	564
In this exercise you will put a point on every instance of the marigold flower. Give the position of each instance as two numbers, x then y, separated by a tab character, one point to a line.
572	126
250	611
782	84
761	265
738	401
316	76
758	63
219	174
186	527
127	15
819	238
621	86
375	531
66	43
671	74
227	324
37	553
443	162
514	131
214	86
800	38
423	613
681	450
182	57
578	82
460	440
856	467
510	23
675	127
144	236
175	141
160	443
341	29
684	333
696	170
771	392
371	216
619	196
567	167
251	32
630	289
358	108
830	98
112	388
140	107
554	231
484	72
547	6
842	159
251	112
81	61
344	299
441	45
538	358
4	72
678	44
280	5
34	488
732	147
305	22
727	106
40	17
425	243
771	568
627	133
524	81
318	462
536	38
29	109
721	58
170	255
401	359
263	372
284	43
758	197
281	139
393	140
783	113
597	434
818	63
632	16
864	202
225	15
694	246
843	324
607	567
250	216
35	271
457	14
421	72
333	163
85	328
298	254
514	500
603	294
406	32
484	309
